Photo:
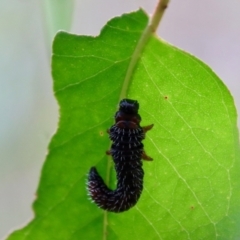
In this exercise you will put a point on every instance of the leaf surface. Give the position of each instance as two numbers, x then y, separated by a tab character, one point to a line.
191	189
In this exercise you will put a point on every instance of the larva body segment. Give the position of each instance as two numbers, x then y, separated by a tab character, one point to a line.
127	153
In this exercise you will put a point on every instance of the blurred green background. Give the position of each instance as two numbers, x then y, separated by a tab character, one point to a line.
28	111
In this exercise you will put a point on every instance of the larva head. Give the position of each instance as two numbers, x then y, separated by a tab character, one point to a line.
127	116
129	106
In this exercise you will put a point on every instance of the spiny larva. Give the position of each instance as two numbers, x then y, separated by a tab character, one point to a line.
127	153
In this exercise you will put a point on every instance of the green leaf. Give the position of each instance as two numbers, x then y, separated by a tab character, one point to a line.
191	189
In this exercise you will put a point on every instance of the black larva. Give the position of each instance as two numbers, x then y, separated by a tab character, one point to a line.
127	151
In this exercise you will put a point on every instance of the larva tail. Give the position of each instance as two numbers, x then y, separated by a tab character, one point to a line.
118	200
96	185
97	189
